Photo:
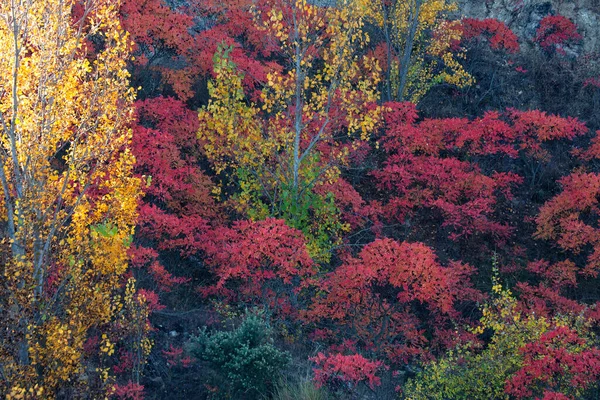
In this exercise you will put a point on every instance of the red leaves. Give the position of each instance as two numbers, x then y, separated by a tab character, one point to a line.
162	36
167	149
372	296
175	357
534	127
130	391
266	261
233	25
559	362
171	231
178	204
546	300
565	218
346	368
499	36
593	151
151	299
427	166
494	133
558	275
353	208
555	31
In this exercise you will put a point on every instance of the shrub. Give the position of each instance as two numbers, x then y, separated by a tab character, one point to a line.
246	361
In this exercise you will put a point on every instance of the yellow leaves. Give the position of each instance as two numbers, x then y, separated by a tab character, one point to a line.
73	170
228	126
18	393
103	373
271	150
497	288
432	60
106	346
276	15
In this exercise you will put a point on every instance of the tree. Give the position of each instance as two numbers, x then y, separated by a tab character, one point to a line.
497	33
245	359
69	197
164	46
439	164
392	299
566	219
555	32
336	369
264	262
311	115
559	362
418	46
178	206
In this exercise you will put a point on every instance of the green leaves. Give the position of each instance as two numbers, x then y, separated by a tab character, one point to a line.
245	359
105	230
109	231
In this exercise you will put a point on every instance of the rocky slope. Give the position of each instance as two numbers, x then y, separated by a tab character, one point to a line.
523	16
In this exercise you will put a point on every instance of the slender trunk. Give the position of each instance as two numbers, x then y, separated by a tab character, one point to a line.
408	47
19	30
388	45
298	113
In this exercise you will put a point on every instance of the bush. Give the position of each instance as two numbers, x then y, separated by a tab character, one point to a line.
245	360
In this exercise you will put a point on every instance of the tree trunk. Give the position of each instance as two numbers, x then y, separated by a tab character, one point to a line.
408	46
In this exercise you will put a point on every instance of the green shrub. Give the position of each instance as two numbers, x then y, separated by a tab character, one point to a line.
245	360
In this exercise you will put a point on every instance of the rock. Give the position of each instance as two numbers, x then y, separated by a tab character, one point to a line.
524	16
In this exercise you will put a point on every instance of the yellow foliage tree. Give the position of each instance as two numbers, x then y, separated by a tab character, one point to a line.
312	114
69	197
418	41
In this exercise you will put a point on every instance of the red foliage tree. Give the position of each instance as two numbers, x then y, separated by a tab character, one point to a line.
234	26
174	47
164	44
353	369
130	391
178	204
389	295
567	218
263	262
428	167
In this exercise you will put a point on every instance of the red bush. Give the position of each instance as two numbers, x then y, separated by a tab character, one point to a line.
499	36
556	31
